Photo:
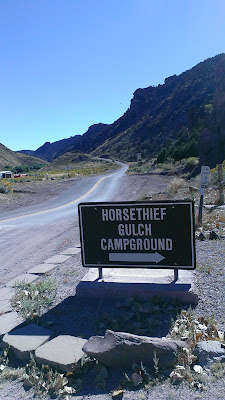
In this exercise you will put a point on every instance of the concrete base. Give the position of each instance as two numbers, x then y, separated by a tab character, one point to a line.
144	283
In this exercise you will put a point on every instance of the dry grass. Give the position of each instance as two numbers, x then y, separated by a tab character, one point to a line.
175	185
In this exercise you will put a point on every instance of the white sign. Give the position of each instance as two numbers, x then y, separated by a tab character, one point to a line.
203	179
68	168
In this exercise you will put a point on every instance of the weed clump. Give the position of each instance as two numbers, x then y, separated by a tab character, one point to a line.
31	299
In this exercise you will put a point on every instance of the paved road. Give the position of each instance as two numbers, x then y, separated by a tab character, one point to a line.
29	236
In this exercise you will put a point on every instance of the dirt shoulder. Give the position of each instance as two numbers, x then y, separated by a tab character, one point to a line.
29	193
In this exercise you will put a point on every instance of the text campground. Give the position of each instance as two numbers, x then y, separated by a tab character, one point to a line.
142	229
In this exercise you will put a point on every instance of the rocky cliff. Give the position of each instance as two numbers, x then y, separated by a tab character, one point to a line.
212	139
171	116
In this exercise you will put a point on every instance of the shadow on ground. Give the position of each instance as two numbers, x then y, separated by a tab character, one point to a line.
85	317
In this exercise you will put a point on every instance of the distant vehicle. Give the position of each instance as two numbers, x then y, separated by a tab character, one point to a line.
5	174
19	175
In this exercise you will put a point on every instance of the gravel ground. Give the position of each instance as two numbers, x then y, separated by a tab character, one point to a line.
69	315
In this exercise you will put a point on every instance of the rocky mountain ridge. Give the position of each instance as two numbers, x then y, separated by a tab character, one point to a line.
158	116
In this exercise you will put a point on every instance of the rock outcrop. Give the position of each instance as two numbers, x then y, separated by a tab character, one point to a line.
212	139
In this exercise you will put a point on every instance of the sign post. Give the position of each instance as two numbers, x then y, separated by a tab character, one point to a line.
68	168
138	235
220	178
202	186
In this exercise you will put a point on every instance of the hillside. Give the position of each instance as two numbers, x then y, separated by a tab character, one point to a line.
170	116
10	159
80	161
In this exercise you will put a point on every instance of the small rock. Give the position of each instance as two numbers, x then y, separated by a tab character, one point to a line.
221	335
213	235
202	236
208	351
176	376
117	394
198	369
136	379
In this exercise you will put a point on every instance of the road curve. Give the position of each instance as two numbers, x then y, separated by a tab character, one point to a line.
29	236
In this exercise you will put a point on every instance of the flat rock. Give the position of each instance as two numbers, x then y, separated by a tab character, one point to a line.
41	268
28	278
71	251
8	322
58	259
120	349
209	351
5	306
26	339
61	352
6	293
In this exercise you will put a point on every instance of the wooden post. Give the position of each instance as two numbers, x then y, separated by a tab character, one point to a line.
220	178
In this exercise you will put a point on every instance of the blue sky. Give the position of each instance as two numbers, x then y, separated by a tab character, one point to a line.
67	64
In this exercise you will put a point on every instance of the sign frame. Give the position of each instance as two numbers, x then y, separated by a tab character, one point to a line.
155	265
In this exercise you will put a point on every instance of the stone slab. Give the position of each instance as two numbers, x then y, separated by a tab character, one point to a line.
5	307
28	278
41	268
71	251
144	283
61	352
26	339
6	293
8	322
58	259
